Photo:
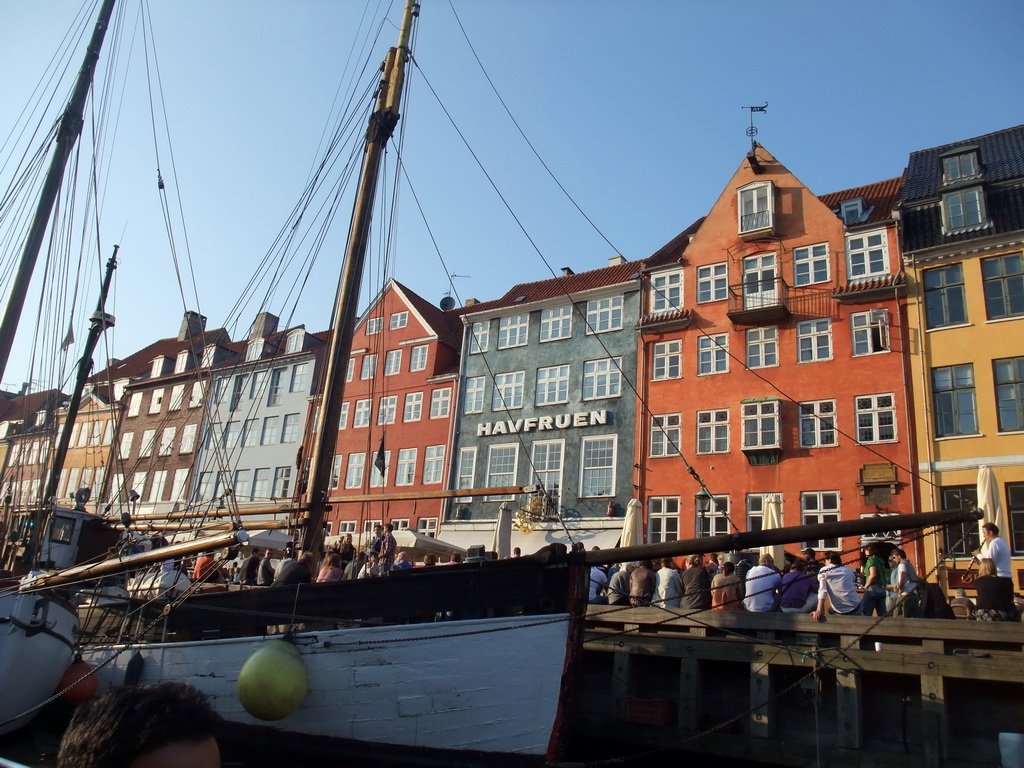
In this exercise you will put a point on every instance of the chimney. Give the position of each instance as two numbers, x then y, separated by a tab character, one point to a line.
616	260
264	325
566	271
470	302
191	325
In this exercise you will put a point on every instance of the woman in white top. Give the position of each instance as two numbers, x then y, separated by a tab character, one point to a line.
670	586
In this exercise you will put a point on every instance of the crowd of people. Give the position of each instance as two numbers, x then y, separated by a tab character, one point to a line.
885	584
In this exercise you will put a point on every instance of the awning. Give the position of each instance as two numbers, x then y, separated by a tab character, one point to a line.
482	534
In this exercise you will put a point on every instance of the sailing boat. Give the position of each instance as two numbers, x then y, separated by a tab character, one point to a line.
455	660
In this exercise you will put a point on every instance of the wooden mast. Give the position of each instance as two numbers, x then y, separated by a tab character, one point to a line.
382	126
67	136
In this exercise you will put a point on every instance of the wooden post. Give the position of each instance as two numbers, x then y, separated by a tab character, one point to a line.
933	719
689	693
622	662
762	725
848	710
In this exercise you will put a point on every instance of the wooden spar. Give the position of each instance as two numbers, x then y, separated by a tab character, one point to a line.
134	562
67	136
256	525
731	542
382	126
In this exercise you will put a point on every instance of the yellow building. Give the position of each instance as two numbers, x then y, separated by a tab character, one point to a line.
962	212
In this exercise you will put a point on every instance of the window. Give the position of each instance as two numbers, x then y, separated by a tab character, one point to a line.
870	331
1009	381
598	466
876	418
178	484
398	320
756	503
167	439
479	336
953	391
553	385
405	472
413	407
763	347
602	378
369	369
1004	286
604	315
418	358
715	521
274	391
667	360
944	302
958	167
156	401
350	369
300	378
1015	511
196	396
146	447
555	324
254	351
241	484
755	207
960	538
963	208
474	395
811	265
336	470
295	342
820	507
512	331
850	211
712	282
393	362
433	464
207	485
547	465
501	469
508	390
261	484
814	340
259	382
126	445
361	418
271	430
867	255
761	425
467	470
713	431
374	325
209	355
250	433
663	519
666	291
354	473
818	424
282	482
188	438
290	429
665	435
387	409
440	403
379	468
427	526
343	418
181	361
713	354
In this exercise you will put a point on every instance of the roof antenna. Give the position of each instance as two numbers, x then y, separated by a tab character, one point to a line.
451	285
752	132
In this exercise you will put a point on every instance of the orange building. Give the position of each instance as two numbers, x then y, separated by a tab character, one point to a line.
396	421
771	359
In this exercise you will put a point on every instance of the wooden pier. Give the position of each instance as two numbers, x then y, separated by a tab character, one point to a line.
783	689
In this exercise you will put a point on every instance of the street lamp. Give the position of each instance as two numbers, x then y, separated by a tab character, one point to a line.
704	502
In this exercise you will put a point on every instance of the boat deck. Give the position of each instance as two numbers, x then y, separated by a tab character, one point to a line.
786	690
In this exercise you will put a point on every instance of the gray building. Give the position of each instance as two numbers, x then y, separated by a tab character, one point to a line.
547	399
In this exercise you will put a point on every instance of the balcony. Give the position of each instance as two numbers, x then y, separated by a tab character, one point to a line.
757	225
758	300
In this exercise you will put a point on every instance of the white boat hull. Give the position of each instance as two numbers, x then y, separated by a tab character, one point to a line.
36	637
489	685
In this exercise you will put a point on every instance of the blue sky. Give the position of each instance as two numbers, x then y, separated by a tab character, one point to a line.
635	106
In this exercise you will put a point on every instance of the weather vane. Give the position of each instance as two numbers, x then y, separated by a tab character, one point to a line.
752	130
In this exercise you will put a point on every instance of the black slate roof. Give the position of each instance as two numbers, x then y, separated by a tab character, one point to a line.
1001	155
1004	207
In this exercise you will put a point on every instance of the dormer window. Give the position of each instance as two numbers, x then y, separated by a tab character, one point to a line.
159	365
399	320
181	361
373	325
209	354
40	418
851	211
296	341
963	209
757	209
958	167
255	350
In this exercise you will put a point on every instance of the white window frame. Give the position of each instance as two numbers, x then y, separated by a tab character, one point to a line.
762	347
817	507
413	408
602	379
875	416
714	522
188	438
361	416
374	325
291	428
355	470
712	354
387	409
398	320
666	434
552	386
548	464
156	401
712	430
587	466
418	358
817	427
393	362
756	206
811	265
953	166
147	443
433	464
850	211
513	331
761	413
405	469
368	369
667	360
662	519
555	324
467	471
479	337
869	332
963	209
506	477
295	341
299	381
343	418
476	389
604	315
713	282
666	291
814	340
508	391
378	478
441	403
270	434
867	255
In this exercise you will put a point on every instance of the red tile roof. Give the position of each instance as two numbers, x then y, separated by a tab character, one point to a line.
882	198
886	281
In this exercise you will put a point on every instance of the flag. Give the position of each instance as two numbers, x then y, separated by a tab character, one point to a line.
69	339
380	463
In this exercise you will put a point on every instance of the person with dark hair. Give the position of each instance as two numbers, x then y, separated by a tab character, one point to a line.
388	548
159	726
995	549
299	571
837	584
250	567
696	585
642	583
727	589
875	578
